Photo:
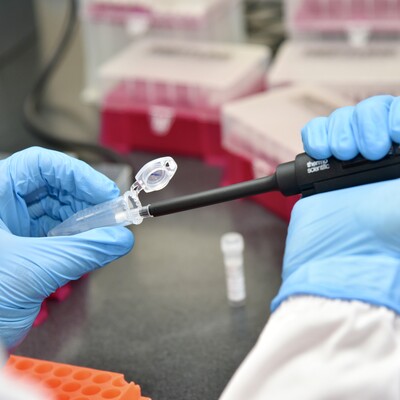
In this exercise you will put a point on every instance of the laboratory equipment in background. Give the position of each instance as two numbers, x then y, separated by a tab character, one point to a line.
111	25
232	246
264	22
19	61
262	131
166	95
349	46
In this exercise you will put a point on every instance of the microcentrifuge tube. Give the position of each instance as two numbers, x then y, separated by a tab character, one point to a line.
232	246
123	210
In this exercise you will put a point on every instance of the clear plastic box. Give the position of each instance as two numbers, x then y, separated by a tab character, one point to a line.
164	95
356	73
263	131
110	25
305	17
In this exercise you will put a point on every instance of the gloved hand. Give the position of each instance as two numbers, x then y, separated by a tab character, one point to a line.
38	189
346	244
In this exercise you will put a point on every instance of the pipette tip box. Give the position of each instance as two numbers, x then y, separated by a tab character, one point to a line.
166	96
111	25
353	72
68	382
312	17
263	131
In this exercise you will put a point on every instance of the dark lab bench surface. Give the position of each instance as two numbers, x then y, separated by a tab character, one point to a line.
160	314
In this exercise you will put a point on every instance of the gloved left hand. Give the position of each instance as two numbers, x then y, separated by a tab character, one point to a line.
39	189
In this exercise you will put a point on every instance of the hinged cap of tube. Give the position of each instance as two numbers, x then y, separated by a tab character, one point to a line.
155	175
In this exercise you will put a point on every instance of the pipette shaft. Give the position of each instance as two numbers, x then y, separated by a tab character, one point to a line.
214	196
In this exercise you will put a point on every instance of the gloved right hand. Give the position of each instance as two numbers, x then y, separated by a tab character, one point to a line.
345	244
38	189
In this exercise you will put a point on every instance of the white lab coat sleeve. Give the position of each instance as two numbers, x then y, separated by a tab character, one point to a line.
314	348
14	388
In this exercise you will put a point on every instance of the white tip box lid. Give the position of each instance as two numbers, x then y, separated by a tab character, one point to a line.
268	126
185	8
205	65
328	62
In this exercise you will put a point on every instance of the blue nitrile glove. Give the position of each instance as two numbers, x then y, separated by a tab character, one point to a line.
346	244
38	189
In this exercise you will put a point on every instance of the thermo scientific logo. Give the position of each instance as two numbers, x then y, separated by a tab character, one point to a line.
317	166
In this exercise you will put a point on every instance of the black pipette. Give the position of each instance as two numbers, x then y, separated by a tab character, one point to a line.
304	176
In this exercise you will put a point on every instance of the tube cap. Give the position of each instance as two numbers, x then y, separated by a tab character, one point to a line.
232	243
155	175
